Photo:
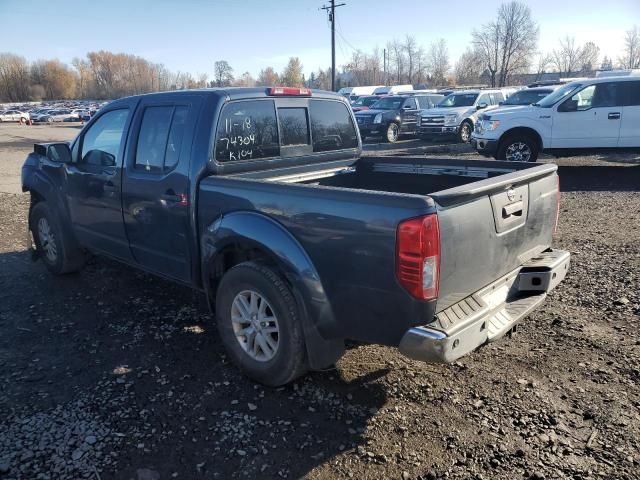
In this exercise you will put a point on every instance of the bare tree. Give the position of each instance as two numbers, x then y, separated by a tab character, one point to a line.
223	73
569	57
543	62
631	56
411	51
468	68
14	78
508	43
397	61
438	62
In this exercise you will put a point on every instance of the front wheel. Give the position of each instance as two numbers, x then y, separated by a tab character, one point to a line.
464	134
52	244
518	148
393	132
258	321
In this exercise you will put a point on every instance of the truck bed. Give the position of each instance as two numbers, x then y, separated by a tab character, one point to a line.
351	211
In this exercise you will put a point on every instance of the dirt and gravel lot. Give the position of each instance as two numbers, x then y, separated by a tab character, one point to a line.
115	374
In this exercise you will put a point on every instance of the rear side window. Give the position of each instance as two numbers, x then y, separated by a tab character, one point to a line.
160	138
632	93
294	126
247	130
607	95
331	126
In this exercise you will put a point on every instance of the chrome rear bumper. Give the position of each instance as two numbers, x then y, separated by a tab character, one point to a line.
488	314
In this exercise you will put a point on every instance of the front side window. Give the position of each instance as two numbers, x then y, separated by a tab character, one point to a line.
331	126
294	126
579	101
607	95
101	143
411	103
484	99
247	130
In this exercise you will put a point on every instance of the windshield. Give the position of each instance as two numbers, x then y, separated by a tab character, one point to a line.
459	100
388	103
526	97
559	94
364	101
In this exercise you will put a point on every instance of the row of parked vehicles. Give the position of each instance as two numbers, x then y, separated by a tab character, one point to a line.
512	123
50	112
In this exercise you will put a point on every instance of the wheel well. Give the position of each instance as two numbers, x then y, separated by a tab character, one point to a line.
233	255
529	132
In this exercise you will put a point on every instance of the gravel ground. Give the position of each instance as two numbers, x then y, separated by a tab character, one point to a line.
112	373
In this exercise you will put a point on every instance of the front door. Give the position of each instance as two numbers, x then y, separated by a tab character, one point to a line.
94	184
156	201
589	119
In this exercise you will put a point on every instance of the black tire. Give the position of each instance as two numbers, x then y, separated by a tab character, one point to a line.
393	132
518	148
464	133
289	361
66	258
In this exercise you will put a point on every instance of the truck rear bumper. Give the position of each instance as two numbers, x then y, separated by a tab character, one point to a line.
488	314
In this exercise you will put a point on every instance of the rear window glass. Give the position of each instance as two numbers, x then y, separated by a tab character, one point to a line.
247	130
294	126
331	126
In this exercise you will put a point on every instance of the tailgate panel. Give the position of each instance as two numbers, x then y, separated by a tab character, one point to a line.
490	235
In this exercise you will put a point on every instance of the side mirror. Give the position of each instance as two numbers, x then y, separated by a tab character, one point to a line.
569	106
500	103
59	152
407	107
481	106
99	157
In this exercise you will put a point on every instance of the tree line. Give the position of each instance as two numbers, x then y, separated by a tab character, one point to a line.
499	51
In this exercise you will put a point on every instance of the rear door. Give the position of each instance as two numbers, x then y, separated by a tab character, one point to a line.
588	119
630	121
409	114
155	187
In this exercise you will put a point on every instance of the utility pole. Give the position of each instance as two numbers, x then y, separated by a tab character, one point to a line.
331	10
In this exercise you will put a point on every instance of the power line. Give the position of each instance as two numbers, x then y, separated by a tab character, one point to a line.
331	10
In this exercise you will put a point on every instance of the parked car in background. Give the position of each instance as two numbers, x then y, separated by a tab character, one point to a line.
527	96
364	102
14	116
394	89
457	113
59	116
597	113
394	115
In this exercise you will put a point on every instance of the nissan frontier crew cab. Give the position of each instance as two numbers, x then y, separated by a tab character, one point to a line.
258	197
585	115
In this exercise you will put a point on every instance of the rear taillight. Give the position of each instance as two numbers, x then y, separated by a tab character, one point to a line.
288	91
418	256
555	229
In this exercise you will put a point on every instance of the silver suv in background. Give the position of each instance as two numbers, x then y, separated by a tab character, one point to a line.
456	114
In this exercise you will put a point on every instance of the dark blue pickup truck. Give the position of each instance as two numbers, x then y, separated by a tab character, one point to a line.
259	198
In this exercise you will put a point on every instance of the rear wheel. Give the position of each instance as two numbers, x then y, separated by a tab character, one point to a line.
393	132
464	134
258	320
52	244
518	148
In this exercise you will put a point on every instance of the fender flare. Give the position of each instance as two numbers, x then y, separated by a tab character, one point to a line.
254	230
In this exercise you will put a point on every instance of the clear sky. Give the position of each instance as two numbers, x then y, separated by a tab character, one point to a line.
189	35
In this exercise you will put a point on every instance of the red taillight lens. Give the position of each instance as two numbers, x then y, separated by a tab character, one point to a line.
418	256
288	91
555	229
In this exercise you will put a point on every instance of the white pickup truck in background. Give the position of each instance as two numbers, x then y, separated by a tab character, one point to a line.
597	113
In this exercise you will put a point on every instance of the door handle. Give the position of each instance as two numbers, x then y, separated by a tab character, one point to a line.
613	116
171	197
109	186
